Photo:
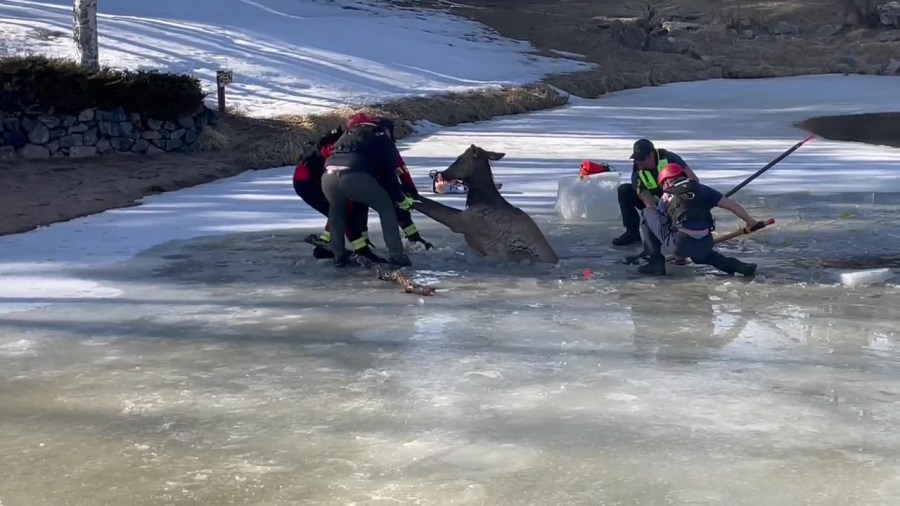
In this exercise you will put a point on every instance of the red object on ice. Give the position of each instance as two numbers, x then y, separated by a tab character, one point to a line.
587	272
588	167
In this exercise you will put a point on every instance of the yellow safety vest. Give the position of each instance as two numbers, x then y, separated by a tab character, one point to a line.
646	177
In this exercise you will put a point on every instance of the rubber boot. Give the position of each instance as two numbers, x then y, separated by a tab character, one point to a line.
401	260
655	266
745	269
342	260
320	253
628	238
365	252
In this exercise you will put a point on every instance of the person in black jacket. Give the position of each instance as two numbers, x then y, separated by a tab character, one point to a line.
648	161
361	168
308	186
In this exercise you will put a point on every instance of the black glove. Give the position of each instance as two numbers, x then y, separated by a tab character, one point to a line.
417	237
332	136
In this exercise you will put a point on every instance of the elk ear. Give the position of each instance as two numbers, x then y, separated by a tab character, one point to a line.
474	150
492	155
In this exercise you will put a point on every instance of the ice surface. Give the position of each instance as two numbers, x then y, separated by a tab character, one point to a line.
593	198
233	368
288	56
867	277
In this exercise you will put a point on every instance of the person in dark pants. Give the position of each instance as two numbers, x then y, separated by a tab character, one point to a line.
362	160
404	216
648	161
682	223
308	186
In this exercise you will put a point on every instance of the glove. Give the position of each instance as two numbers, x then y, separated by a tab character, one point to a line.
414	193
753	227
406	204
417	237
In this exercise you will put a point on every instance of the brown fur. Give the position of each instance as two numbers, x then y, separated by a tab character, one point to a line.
491	225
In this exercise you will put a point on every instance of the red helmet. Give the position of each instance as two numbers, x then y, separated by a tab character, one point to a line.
671	171
359	119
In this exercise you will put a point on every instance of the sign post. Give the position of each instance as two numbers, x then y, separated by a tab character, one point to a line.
223	78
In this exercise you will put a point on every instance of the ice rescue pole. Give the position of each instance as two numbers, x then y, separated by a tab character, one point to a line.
771	164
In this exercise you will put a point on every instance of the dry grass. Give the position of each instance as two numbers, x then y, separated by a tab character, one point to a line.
262	143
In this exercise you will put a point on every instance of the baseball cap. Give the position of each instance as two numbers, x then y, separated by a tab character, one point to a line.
642	148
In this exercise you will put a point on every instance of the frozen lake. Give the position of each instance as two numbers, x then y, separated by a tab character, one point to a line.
147	358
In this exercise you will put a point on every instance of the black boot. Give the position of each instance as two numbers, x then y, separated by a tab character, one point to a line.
320	253
655	266
342	260
401	260
365	252
745	269
629	237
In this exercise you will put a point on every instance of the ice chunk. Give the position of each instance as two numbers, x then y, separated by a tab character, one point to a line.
590	199
868	277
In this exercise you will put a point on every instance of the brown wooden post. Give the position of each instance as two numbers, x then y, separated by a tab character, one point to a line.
223	78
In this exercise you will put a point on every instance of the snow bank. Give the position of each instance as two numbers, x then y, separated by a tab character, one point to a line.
288	56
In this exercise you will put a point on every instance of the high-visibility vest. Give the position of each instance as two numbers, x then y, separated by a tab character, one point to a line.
646	177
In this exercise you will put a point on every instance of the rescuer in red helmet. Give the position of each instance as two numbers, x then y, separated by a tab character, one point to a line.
682	223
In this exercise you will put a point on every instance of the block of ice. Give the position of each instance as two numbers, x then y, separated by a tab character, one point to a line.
867	277
590	199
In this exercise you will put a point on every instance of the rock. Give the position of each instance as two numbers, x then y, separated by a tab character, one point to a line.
848	63
135	118
186	122
53	146
126	127
852	19
103	145
140	146
35	152
56	133
177	134
153	150
748	34
50	121
828	31
87	115
82	151
191	136
168	125
7	152
893	67
26	124
785	28
154	124
68	121
122	143
15	139
40	134
662	45
173	145
150	134
118	114
67	141
889	14
91	137
77	129
672	27
11	125
108	129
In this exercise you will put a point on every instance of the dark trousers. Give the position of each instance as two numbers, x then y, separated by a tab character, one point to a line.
700	251
357	214
629	206
345	185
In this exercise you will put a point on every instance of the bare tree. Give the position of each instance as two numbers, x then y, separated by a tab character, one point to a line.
85	32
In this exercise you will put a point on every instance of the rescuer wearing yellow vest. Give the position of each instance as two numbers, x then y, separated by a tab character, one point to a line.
648	161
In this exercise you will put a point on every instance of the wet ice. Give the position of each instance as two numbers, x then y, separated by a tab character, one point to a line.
237	368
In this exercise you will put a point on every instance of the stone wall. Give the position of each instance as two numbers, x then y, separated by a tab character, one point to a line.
94	132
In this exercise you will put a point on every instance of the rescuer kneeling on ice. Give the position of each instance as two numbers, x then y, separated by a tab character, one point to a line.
682	224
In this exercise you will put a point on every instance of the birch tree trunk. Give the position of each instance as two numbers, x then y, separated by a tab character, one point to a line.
85	31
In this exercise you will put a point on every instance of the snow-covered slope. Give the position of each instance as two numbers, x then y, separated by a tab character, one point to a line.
288	56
